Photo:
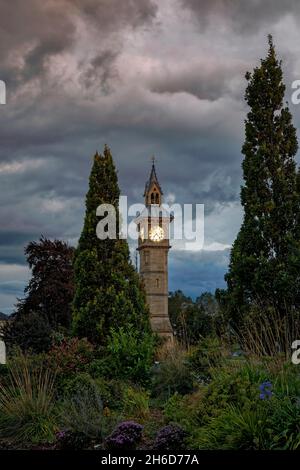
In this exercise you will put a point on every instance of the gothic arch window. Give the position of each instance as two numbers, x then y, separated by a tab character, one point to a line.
160	219
156	198
152	198
157	282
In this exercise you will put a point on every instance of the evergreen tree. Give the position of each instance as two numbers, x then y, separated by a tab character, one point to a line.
108	293
265	258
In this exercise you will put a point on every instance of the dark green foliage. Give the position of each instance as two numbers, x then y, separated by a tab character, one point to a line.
82	412
170	438
107	288
172	375
129	354
285	422
207	355
265	258
50	290
192	320
30	332
232	413
69	358
47	305
27	406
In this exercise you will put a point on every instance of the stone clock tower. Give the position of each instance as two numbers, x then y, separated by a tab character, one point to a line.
153	246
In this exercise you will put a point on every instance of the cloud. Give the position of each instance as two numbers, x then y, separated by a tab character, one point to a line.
19	167
242	17
43	30
147	78
207	79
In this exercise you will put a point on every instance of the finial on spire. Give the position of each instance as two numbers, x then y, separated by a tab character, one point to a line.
153	159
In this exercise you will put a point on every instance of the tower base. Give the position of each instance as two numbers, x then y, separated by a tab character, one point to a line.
161	325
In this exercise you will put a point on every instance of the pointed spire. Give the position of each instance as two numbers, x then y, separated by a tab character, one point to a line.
152	179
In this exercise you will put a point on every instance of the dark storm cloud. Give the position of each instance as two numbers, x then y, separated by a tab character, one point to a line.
205	81
102	69
244	17
33	31
142	76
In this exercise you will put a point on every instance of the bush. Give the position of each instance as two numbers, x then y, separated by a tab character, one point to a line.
245	406
112	392
208	354
31	332
188	411
100	367
136	403
285	423
70	440
172	375
27	407
170	438
235	383
130	354
236	428
69	357
126	436
83	412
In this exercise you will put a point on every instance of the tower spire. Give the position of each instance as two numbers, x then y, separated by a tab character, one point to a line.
153	192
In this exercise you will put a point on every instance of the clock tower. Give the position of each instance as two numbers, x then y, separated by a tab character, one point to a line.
153	246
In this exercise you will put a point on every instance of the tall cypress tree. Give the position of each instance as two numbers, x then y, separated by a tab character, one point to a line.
107	288
265	259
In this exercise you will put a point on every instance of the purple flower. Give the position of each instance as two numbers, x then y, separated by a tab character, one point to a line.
125	436
266	390
170	438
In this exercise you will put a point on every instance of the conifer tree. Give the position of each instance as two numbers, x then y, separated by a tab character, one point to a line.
265	259
108	292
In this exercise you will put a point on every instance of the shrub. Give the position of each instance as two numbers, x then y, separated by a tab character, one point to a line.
69	357
83	412
235	383
112	392
27	408
70	440
100	367
285	423
126	436
31	332
136	403
236	428
172	375
245	406
188	411
170	438
208	354
130	354
73	384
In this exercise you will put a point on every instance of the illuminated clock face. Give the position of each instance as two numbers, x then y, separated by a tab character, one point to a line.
156	234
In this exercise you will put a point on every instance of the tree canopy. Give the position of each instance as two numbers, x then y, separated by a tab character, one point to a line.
265	258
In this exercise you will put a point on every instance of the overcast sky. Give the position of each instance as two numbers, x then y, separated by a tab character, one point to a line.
146	77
